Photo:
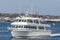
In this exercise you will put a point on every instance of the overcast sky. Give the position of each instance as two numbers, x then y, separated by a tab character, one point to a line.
45	7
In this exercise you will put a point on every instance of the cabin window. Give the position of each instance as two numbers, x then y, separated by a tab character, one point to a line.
17	26
30	27
33	27
41	27
26	27
20	26
23	20
16	20
19	20
29	21
36	21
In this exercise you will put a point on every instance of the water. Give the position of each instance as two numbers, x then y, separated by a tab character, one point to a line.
6	35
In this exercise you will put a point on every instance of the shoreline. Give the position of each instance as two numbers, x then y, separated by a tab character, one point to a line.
50	20
9	17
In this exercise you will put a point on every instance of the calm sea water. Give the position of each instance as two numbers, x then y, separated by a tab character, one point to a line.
6	35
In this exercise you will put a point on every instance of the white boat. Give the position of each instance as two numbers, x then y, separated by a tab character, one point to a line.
29	27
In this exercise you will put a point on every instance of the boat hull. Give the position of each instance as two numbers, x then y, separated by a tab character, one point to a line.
30	34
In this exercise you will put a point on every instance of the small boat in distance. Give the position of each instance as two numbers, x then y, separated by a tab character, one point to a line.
29	27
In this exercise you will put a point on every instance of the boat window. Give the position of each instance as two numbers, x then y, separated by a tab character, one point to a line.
26	27
30	27
23	20
41	27
16	26
33	27
29	21
19	20
16	20
20	26
36	21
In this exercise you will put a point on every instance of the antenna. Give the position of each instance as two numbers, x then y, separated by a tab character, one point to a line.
27	12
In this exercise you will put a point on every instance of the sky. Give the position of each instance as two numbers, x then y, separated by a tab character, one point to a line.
43	7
